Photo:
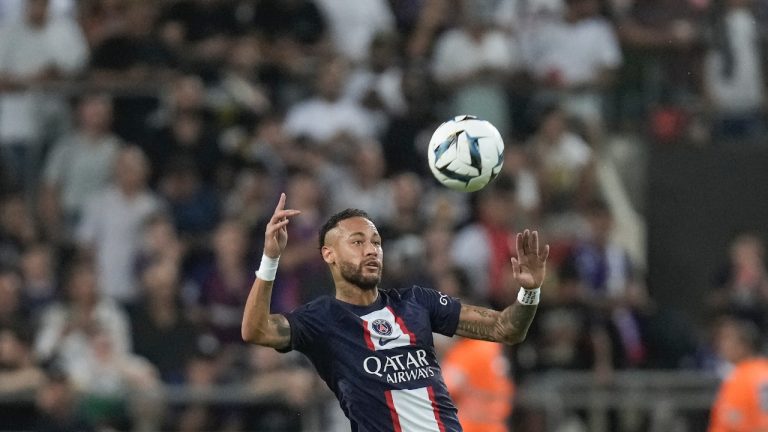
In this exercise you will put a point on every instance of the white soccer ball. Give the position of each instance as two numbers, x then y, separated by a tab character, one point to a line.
466	153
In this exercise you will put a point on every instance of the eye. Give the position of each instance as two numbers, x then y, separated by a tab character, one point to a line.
377	242
357	242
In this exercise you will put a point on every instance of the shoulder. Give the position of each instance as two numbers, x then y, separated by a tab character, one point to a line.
318	308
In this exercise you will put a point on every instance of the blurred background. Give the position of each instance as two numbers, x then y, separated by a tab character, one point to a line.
143	145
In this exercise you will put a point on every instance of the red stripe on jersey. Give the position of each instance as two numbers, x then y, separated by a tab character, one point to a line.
401	323
392	411
435	409
367	336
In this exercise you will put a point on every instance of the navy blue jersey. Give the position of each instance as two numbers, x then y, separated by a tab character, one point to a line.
379	360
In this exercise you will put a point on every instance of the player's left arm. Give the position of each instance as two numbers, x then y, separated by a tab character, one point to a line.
511	324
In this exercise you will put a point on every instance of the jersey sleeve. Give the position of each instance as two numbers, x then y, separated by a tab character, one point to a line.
443	309
306	327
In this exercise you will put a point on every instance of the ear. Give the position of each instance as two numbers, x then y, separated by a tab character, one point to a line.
329	255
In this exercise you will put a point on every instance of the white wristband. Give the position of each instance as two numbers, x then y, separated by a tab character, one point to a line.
529	297
267	269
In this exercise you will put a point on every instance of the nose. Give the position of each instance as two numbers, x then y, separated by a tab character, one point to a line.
371	249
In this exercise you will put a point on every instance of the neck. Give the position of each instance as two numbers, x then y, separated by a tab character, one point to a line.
355	295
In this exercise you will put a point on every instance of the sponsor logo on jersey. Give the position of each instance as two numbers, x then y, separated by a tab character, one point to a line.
401	367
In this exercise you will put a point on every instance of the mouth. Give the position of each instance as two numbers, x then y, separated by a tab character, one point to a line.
372	265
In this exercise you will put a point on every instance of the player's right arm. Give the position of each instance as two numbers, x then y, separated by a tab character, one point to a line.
259	326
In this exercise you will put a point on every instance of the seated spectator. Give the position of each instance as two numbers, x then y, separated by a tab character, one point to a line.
80	164
18	229
741	288
12	310
612	283
18	371
111	225
733	72
327	117
365	186
57	405
159	243
285	387
39	277
162	331
20	377
66	326
121	390
224	281
193	203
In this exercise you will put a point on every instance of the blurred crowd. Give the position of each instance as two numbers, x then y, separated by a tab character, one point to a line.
143	145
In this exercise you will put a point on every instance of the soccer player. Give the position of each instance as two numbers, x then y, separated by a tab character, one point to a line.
374	348
742	401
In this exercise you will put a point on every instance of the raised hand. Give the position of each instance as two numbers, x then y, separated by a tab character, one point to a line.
276	235
529	268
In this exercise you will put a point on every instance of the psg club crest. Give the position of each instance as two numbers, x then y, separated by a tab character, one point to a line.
382	327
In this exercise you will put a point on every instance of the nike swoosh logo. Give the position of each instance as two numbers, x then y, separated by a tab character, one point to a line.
384	341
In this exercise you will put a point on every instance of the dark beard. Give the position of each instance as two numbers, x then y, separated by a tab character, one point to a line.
354	275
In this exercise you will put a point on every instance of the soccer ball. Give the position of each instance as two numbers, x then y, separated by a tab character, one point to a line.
465	153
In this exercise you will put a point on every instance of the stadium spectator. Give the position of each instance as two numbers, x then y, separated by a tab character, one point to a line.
120	389
733	72
18	229
192	202
328	119
472	62
483	248
611	282
291	22
66	326
159	243
80	164
275	379
251	197
565	169
741	288
110	228
377	83
20	377
34	51
188	136
304	273
365	183
161	318
575	60
740	400
12	310
57	405
224	279
353	24
40	284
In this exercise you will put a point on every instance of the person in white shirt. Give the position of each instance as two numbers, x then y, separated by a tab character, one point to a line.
472	62
112	223
354	23
575	59
33	51
733	72
328	116
80	163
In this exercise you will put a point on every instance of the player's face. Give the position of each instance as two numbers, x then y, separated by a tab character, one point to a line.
358	252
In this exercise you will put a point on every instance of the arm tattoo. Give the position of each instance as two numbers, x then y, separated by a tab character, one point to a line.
283	328
477	322
508	326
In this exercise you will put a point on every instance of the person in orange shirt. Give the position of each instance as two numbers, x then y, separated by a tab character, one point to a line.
477	376
742	401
